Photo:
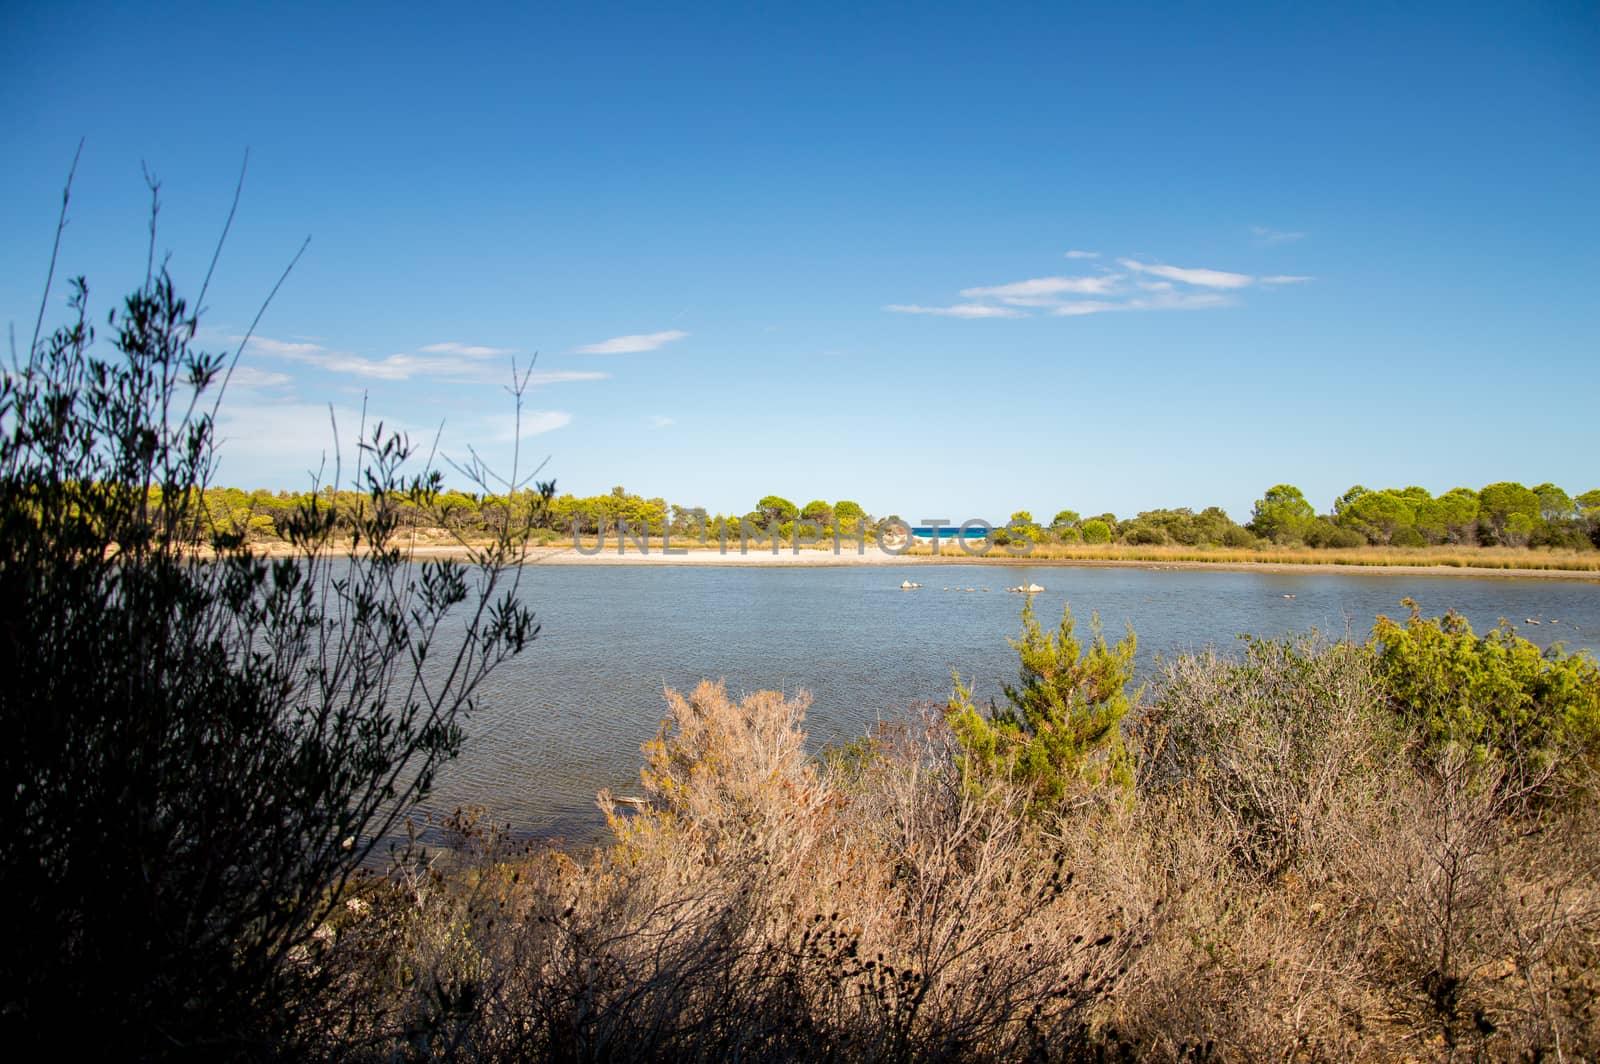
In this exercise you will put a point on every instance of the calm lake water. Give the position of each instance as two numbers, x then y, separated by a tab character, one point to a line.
567	717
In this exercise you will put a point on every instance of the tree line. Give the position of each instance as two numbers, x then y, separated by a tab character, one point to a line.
1504	514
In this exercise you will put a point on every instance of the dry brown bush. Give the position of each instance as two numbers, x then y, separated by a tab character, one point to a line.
1342	891
1296	877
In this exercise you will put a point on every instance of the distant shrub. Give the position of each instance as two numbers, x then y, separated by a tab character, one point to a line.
1564	535
1408	537
1237	537
1141	535
1324	533
1096	531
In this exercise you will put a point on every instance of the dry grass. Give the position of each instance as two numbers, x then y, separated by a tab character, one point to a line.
1450	557
1294	878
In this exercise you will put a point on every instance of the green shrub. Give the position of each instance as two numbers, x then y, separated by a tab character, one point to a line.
1096	531
1237	537
1143	535
1267	742
1060	729
1408	537
1324	533
1497	692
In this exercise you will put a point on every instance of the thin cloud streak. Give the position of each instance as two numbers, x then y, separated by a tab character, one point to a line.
251	378
1153	286
534	423
1030	293
466	350
456	362
1264	235
281	348
1200	277
626	345
960	310
1176	301
1079	308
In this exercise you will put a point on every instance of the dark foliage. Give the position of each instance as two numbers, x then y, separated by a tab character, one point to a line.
202	745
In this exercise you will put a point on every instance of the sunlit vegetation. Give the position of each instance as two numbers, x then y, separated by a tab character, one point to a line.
1306	850
1477	558
1310	849
1058	731
1503	526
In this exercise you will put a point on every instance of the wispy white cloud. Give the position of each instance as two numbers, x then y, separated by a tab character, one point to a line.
1078	308
1042	291
960	310
253	379
1201	277
450	361
1264	235
261	440
507	429
1160	301
625	345
1183	301
1143	286
660	421
1077	254
281	348
566	376
466	350
398	367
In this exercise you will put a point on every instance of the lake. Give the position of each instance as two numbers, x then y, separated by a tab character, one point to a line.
567	717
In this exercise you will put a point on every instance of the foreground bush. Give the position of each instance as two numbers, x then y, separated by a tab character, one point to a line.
758	909
200	746
1298	872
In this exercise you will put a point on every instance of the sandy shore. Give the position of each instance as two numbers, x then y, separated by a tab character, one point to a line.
878	556
786	557
873	555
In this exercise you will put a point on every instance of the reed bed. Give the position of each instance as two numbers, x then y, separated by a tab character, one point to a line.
1499	558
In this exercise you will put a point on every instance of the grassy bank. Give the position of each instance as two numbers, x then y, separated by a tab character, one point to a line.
1455	558
1482	559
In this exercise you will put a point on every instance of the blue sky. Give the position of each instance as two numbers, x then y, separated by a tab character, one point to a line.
944	261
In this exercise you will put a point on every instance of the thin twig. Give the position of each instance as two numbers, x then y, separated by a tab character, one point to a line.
238	189
245	339
55	250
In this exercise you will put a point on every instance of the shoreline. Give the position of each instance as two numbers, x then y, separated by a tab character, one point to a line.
876	556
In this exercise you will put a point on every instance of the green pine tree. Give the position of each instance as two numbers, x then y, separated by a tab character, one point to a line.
1059	730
